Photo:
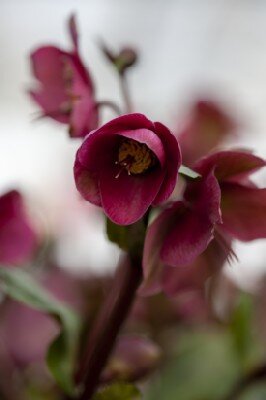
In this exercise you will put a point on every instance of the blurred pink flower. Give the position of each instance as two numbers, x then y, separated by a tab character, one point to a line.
127	165
207	128
18	240
133	358
36	329
65	91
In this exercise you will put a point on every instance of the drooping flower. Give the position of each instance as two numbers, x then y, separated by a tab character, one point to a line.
18	240
182	231
208	127
65	91
243	216
127	165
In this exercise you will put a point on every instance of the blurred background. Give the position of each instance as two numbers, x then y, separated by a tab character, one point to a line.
188	50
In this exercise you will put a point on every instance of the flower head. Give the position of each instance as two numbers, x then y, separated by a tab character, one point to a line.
181	235
65	91
127	165
18	240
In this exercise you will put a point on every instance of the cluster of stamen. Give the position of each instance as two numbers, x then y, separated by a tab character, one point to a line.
134	157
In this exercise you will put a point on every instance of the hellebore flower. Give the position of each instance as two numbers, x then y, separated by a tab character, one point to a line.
65	91
18	241
127	165
207	128
243	204
182	231
243	211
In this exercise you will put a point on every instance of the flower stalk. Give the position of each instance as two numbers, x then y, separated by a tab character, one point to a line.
112	316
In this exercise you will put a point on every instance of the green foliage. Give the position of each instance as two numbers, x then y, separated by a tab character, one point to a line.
129	238
118	391
246	343
20	286
205	368
255	392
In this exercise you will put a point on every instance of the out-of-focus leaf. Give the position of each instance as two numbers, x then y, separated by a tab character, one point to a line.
118	391
20	286
205	368
255	392
242	328
129	238
188	172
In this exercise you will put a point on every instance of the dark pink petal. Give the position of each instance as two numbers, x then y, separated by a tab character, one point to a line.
173	162
150	139
156	233
18	240
52	102
230	165
194	275
47	64
126	199
207	128
127	122
189	238
244	211
99	151
84	118
87	183
193	229
205	196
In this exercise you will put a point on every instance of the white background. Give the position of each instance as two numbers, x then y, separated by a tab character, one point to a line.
187	48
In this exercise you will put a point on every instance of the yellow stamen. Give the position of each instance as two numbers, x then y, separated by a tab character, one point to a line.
135	157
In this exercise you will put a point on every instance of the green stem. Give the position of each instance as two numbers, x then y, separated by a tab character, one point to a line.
125	92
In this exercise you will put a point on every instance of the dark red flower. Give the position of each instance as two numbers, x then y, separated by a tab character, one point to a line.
243	211
127	165
65	91
18	240
182	231
207	127
243	204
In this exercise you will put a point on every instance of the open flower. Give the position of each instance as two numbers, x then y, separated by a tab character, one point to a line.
18	240
127	165
207	127
65	91
243	211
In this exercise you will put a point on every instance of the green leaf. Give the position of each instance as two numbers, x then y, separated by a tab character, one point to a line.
20	286
118	391
249	348
188	172
257	391
129	238
204	368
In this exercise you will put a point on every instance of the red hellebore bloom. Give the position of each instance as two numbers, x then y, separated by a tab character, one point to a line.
18	241
243	210
65	91
127	165
182	231
206	129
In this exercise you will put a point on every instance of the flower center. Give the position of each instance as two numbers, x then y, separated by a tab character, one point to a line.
134	157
